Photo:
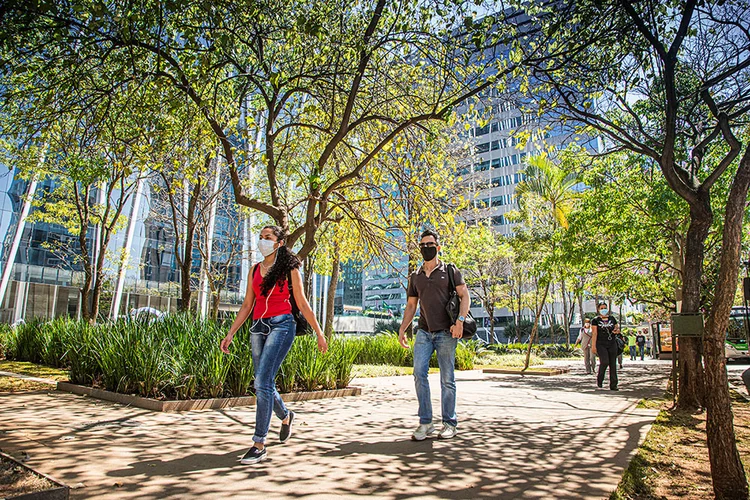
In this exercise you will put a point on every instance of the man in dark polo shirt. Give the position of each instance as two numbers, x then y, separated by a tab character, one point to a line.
429	287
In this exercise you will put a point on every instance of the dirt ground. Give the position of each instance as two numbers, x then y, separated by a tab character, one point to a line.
15	480
673	462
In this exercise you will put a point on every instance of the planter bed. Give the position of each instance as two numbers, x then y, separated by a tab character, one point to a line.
197	404
548	372
20	482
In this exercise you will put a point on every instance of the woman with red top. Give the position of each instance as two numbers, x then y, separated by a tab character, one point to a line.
273	331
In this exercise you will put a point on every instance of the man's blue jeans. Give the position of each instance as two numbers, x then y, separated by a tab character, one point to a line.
632	352
425	344
271	340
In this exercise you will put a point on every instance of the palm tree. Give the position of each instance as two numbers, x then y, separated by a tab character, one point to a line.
551	185
546	197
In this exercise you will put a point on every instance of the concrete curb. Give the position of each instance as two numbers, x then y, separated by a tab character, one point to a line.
61	492
550	373
197	404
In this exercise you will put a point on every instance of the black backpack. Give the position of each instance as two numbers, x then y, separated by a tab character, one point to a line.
454	306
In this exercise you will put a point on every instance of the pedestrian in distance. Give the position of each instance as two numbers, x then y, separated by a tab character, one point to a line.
604	328
623	342
429	288
273	285
640	339
584	341
632	345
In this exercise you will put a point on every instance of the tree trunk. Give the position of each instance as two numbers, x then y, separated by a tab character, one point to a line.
186	292
85	300
566	310
330	306
535	328
580	306
727	472
88	277
691	383
309	264
491	314
215	301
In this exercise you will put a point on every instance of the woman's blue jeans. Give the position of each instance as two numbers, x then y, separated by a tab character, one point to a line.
424	345
271	340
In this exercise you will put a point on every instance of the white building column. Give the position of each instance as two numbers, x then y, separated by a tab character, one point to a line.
205	268
134	209
20	226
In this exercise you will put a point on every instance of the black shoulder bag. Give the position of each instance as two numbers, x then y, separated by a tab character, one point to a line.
454	306
303	327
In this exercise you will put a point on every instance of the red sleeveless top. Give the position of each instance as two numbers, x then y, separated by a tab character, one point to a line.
275	303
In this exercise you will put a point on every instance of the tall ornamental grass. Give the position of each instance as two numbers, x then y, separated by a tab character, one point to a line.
384	349
176	358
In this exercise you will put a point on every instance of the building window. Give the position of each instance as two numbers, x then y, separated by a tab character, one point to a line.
481	167
482	148
482	130
495	145
494	127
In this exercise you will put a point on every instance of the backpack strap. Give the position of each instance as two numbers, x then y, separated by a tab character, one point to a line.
291	291
451	279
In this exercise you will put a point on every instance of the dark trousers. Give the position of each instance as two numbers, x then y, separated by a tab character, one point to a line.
607	359
640	350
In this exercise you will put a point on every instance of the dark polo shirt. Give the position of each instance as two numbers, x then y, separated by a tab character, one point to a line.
433	293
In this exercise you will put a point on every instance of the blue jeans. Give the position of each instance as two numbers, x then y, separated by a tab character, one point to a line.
632	352
425	344
271	340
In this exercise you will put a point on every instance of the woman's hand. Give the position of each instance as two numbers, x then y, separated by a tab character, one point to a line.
322	343
224	346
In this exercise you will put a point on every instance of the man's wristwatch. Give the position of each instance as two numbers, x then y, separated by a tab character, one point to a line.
461	319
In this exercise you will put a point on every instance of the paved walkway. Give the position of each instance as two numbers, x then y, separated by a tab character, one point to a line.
532	437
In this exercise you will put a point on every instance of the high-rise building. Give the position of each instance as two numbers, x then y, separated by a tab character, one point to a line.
46	274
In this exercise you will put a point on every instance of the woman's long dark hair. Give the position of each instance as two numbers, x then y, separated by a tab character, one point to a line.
285	262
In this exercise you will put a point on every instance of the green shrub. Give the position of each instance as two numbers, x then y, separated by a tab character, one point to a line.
465	355
383	349
178	357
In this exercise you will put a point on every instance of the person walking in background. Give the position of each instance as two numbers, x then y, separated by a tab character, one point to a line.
584	341
429	287
649	345
632	345
273	285
624	342
604	328
640	339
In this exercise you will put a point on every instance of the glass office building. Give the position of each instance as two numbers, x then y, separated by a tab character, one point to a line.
46	272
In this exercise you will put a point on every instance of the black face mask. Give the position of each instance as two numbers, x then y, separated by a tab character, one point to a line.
428	253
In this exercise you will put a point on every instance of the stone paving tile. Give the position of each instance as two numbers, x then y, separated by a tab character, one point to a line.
530	437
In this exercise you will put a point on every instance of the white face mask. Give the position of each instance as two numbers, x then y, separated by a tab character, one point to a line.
266	247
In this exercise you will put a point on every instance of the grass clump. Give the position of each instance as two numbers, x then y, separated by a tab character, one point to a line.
176	358
384	349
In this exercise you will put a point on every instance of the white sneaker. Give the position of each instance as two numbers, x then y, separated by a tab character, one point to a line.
448	431
422	432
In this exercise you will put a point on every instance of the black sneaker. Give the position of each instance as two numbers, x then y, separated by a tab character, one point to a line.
286	429
253	456
614	389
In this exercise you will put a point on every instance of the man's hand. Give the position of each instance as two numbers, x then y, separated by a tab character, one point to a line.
457	330
593	349
402	340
